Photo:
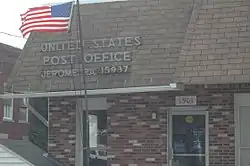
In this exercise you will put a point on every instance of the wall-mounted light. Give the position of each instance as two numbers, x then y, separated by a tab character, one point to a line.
154	115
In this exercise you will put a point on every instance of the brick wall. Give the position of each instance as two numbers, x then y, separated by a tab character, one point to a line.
10	129
137	139
161	26
192	41
134	139
216	47
62	130
13	129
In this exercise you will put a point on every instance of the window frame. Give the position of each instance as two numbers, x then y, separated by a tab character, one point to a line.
27	112
11	110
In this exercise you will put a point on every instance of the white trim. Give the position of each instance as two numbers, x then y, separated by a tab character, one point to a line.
181	111
39	116
191	155
11	110
26	120
48	121
170	87
26	101
16	155
190	108
240	100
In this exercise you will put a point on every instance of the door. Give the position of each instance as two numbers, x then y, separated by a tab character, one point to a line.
242	131
188	138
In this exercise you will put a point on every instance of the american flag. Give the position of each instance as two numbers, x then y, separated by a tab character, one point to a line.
55	18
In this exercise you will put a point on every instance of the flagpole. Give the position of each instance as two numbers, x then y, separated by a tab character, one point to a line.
85	121
71	16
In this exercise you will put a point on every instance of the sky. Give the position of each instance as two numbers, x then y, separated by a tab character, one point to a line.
10	18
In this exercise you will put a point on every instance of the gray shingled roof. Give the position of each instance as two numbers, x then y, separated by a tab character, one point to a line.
7	50
29	151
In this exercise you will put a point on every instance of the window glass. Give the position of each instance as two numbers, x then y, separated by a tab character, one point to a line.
188	134
98	137
8	109
23	114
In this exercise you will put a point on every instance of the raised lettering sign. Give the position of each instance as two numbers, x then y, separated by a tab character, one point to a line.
106	70
89	58
95	43
185	100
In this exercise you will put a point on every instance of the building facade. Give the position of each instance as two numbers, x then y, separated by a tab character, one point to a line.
168	83
14	119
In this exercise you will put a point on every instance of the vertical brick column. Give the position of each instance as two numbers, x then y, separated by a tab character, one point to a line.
62	130
222	128
134	138
220	100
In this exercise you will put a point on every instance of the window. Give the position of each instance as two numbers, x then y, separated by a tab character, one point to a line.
24	112
93	130
8	109
98	137
98	129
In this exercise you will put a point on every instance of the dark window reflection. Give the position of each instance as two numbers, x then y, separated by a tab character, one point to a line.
188	134
188	138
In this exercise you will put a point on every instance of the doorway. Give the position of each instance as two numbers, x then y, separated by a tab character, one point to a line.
188	138
242	132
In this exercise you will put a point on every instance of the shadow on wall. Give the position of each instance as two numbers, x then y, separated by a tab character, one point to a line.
38	131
